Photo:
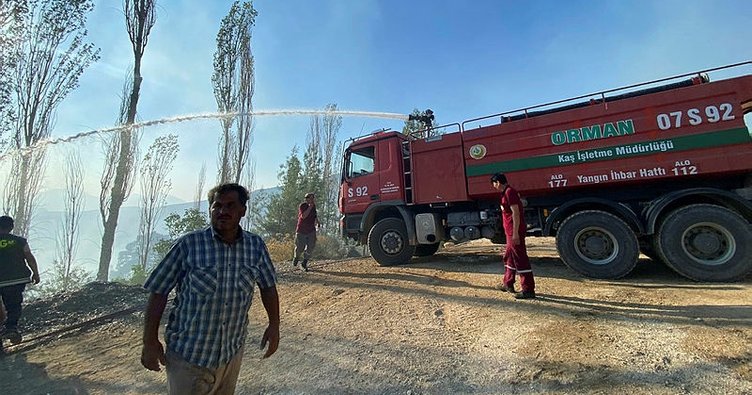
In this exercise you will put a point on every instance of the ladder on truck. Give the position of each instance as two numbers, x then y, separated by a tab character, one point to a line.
407	169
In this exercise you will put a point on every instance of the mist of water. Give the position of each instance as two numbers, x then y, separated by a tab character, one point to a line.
193	117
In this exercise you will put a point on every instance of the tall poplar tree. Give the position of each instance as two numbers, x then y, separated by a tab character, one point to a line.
155	186
233	80
48	54
140	17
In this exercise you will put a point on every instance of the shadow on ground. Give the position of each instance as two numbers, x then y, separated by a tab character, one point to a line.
22	377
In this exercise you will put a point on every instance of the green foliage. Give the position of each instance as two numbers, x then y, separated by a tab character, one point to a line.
138	275
415	123
312	176
330	170
234	32
159	156
177	225
53	52
129	257
56	280
155	185
11	18
129	267
282	209
47	55
316	173
233	82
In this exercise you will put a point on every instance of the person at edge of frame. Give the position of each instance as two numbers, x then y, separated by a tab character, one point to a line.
18	267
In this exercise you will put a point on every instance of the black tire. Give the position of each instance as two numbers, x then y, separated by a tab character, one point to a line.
597	244
388	242
704	242
426	249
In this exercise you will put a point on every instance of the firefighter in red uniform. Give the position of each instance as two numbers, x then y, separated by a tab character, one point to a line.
515	255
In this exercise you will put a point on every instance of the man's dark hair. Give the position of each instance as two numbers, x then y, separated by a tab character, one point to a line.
310	194
500	177
229	187
6	223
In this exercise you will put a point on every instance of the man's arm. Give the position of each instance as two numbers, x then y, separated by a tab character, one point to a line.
515	223
307	211
152	353
270	299
32	264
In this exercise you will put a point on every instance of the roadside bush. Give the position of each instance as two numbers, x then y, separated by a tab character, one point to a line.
329	247
282	247
138	275
58	279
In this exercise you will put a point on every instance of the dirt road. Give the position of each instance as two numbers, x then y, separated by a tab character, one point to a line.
435	326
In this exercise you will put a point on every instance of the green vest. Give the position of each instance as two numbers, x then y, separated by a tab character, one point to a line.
13	268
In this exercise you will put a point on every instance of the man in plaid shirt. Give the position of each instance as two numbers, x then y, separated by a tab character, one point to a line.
214	272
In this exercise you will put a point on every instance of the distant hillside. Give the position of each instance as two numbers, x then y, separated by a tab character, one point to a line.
46	223
53	200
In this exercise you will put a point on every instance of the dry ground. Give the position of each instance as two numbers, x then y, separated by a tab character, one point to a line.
434	326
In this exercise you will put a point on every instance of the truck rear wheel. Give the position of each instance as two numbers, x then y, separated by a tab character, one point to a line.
704	242
426	249
597	244
388	242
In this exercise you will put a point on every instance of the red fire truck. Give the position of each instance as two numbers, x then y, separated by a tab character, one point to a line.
663	167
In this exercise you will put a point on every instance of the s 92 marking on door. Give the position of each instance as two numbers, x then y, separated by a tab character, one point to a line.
357	191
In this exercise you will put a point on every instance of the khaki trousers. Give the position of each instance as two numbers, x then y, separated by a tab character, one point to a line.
184	378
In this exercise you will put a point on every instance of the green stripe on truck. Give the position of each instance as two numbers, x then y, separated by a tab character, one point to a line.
675	144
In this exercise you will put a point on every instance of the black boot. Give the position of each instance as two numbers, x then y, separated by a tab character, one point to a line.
505	288
304	264
13	335
525	295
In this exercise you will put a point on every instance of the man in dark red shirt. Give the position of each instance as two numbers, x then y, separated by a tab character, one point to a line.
515	256
305	231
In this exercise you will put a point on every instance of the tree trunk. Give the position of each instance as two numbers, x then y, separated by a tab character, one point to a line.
119	189
224	171
117	198
22	221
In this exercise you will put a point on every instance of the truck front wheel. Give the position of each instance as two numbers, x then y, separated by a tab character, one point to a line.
388	242
704	242
597	244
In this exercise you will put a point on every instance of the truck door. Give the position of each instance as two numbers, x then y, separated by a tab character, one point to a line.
360	188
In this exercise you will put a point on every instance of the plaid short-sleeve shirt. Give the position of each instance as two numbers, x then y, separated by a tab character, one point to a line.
214	284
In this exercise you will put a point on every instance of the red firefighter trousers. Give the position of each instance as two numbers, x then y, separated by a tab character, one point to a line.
517	262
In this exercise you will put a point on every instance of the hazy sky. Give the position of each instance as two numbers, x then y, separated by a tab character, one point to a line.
462	59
